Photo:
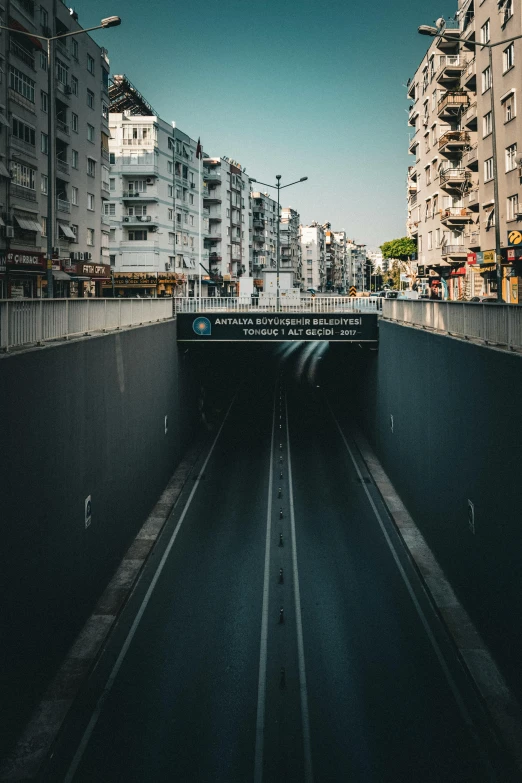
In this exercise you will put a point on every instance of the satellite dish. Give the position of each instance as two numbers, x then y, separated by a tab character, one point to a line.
441	22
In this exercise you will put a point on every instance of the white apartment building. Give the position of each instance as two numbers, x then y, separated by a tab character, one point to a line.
340	276
154	209
313	253
356	265
225	196
80	149
290	246
263	234
450	186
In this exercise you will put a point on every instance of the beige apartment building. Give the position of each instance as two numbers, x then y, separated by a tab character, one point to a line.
290	247
263	228
450	185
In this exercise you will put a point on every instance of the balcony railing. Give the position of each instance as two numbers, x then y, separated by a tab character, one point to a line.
62	126
413	199
457	138
453	250
62	166
472	197
454	176
62	205
138	142
452	100
21	192
22	54
472	156
470	72
455	214
27	6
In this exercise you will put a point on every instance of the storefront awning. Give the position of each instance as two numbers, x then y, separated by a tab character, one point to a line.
78	278
28	224
59	275
66	230
37	44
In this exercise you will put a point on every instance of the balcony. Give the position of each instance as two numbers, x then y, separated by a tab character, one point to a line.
212	175
23	54
259	223
214	237
454	178
140	244
148	143
62	165
469	119
141	195
214	218
448	43
472	198
259	238
450	70
213	195
27	6
21	192
453	251
64	90
453	142
62	127
412	116
414	142
143	220
455	215
413	199
470	74
62	205
452	103
413	228
468	33
471	158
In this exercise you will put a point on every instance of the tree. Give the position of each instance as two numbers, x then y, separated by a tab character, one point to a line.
400	252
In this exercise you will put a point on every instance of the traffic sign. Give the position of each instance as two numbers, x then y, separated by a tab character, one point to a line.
353	291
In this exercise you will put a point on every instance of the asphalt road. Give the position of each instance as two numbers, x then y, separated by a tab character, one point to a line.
371	689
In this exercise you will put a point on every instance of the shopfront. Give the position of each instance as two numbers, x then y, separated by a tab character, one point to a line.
24	272
143	284
512	274
3	279
87	279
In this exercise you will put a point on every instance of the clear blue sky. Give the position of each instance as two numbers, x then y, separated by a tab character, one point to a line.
297	89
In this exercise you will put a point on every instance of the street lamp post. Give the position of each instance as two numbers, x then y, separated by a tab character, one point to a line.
440	31
279	187
110	21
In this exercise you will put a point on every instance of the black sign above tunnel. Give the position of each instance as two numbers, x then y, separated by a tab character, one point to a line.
280	327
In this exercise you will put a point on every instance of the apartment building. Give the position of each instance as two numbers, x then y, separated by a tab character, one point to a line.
313	253
290	259
264	235
225	196
356	265
450	186
80	148
340	276
154	210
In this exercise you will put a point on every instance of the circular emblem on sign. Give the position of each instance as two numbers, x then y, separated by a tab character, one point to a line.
202	326
515	237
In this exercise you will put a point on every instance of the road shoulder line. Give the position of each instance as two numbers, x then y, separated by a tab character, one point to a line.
501	704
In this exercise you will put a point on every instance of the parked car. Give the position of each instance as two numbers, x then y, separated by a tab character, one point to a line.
485	299
391	294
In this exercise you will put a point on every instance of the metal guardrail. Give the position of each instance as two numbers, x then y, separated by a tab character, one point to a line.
490	324
36	321
309	304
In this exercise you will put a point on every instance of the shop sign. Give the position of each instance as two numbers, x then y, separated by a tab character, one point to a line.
513	253
514	238
421	271
28	260
472	258
135	278
480	256
489	257
94	270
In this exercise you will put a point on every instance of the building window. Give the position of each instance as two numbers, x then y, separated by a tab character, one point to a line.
512	207
74	85
43	223
90	64
44	100
23	132
74	196
509	57
109	208
170	166
170	189
427	172
105	178
90	237
112	183
43	61
427	212
509	107
191	198
74	122
74	48
485	32
105	111
91	167
171	214
486	124
44	143
507	11
90	133
23	175
75	230
90	201
139	210
488	169
511	153
138	236
486	79
62	72
21	83
44	183
74	159
112	158
90	99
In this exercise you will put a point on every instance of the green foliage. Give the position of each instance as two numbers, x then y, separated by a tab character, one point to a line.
401	249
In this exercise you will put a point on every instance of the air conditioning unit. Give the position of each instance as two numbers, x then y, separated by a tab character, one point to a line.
87	256
138	217
9	232
153	229
168	267
146	218
80	256
192	184
126	219
67	89
150	180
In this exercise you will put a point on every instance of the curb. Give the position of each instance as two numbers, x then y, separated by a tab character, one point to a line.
31	750
501	704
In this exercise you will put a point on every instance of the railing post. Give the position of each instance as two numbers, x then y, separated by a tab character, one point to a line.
39	337
67	323
119	314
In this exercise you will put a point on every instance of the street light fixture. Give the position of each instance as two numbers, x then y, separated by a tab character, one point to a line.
109	21
440	30
279	187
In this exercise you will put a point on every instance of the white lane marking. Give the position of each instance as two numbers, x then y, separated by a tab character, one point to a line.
261	687
134	627
305	718
429	633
